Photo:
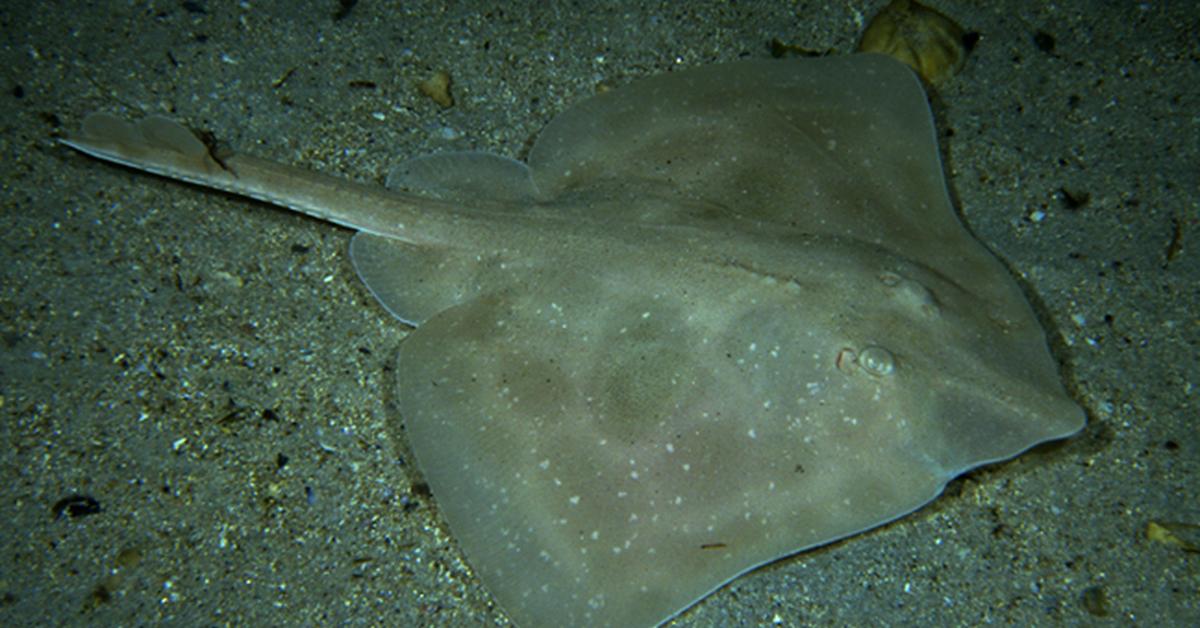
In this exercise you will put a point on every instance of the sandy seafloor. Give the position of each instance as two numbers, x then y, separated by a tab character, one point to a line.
165	349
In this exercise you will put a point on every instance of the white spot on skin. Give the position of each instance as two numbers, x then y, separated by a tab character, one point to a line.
574	499
751	433
545	464
670	448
